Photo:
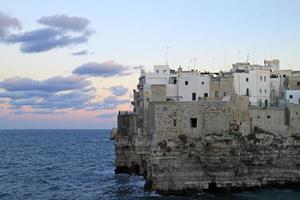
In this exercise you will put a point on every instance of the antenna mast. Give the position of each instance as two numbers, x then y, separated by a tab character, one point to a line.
167	48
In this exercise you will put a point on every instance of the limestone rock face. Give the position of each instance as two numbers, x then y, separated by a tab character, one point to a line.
226	161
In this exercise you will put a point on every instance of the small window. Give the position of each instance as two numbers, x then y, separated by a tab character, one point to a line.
202	82
265	78
291	96
259	102
247	79
260	91
298	83
194	96
157	71
174	122
216	94
193	122
268	116
186	82
265	91
260	78
225	94
283	75
247	92
258	117
205	94
164	71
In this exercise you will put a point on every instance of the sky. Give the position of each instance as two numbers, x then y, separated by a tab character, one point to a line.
74	64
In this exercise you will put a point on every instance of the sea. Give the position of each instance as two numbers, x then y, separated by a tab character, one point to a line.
79	164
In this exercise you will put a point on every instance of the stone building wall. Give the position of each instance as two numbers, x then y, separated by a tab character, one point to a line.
221	87
272	119
294	82
294	119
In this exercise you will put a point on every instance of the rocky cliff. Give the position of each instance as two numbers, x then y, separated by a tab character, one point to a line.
227	161
224	150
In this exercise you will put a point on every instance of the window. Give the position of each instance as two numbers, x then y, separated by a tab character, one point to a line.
268	116
260	78
265	91
265	78
283	76
247	92
164	71
193	122
247	79
186	82
217	94
173	80
174	122
291	96
259	102
205	94
225	94
259	90
194	96
157	71
258	117
202	82
298	83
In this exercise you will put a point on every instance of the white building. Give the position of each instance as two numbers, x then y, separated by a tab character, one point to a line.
255	84
292	96
193	85
270	65
180	85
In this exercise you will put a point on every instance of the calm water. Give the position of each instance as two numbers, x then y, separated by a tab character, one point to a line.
78	164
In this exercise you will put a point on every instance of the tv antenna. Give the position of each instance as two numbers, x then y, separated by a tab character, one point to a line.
194	62
167	48
248	56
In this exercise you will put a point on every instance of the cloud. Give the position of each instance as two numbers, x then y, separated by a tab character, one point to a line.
60	31
45	39
54	84
72	100
80	53
65	22
23	94
107	115
52	94
7	23
110	102
37	112
105	69
118	90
